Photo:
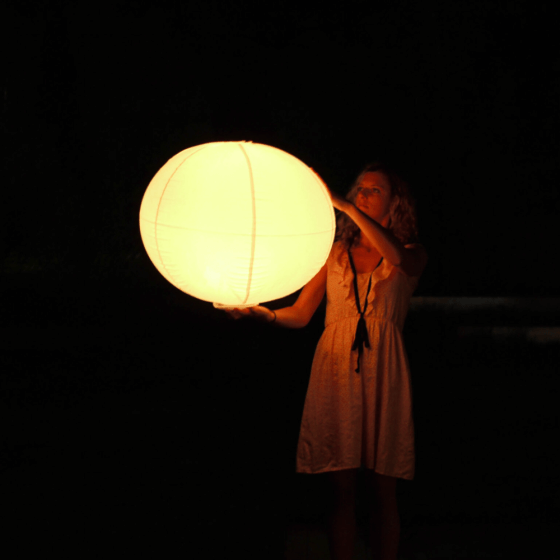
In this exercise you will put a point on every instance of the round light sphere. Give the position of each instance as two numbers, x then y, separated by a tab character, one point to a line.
237	223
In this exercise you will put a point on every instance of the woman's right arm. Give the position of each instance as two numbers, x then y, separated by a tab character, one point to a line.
298	315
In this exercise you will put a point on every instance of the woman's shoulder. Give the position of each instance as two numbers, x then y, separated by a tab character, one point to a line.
418	249
417	260
416	245
336	261
337	248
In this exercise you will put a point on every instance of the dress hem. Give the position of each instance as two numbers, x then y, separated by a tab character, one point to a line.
360	468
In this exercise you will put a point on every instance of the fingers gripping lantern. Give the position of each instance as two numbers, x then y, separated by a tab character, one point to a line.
237	223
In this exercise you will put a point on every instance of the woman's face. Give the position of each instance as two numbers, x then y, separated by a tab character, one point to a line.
373	197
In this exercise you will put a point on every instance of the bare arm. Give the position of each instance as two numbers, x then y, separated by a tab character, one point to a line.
411	259
296	316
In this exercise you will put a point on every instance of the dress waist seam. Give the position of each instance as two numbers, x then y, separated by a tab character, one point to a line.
367	318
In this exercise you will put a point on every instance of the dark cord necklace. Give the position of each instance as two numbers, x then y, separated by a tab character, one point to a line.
361	336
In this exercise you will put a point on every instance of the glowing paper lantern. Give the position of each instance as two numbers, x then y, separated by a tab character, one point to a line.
237	223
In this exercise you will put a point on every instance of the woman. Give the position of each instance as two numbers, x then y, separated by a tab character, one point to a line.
358	408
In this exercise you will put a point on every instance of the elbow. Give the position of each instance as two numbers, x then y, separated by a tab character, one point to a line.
302	321
299	322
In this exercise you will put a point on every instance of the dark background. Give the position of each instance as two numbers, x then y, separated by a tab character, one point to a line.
138	416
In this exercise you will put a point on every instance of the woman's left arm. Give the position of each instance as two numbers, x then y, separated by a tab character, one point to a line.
411	259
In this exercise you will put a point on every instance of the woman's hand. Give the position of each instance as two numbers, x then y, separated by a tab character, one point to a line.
258	312
338	201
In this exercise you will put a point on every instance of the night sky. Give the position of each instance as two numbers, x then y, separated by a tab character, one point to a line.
461	96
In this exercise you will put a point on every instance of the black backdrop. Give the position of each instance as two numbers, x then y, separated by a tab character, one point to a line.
137	416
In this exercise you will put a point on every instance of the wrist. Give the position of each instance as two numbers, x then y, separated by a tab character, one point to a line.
344	205
351	209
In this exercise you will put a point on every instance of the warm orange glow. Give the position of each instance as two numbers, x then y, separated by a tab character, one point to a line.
237	223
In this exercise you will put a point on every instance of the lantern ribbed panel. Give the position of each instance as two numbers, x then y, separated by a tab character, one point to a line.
237	223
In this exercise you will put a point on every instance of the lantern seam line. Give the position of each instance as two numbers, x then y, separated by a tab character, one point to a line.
254	225
243	234
159	205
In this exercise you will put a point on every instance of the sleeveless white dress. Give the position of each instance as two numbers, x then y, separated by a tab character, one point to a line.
350	419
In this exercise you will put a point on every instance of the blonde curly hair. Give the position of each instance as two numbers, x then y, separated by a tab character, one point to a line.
402	211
